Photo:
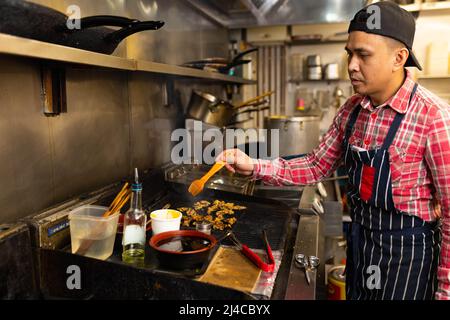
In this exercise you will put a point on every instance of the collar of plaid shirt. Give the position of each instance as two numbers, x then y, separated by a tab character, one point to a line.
398	102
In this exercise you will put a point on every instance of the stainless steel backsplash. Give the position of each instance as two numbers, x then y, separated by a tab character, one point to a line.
115	120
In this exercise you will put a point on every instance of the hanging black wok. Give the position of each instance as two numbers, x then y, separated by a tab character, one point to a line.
30	20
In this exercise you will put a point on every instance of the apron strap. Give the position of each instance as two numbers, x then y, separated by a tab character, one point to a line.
396	123
392	131
351	122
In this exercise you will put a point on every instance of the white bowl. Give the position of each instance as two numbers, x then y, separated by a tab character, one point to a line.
165	220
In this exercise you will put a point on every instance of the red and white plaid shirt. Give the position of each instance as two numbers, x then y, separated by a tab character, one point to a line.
419	157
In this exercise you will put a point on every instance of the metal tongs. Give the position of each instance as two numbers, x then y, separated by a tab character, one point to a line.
246	251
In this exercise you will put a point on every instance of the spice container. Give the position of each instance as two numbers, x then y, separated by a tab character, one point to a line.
204	227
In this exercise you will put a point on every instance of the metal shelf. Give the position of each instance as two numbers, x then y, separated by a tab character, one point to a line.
319	80
155	67
441	5
427	6
314	42
447	76
23	47
42	50
411	7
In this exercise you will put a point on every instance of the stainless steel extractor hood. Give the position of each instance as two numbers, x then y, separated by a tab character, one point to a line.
250	13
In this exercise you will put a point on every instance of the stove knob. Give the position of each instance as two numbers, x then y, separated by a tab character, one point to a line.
322	191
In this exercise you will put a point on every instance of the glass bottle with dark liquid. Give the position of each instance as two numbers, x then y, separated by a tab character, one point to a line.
134	227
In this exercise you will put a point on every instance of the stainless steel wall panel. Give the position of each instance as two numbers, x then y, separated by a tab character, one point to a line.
277	86
145	94
25	153
91	141
271	73
259	76
153	118
187	35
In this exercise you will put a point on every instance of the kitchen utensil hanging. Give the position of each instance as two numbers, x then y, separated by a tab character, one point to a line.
256	99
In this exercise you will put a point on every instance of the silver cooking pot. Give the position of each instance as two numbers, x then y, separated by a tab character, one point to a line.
209	109
297	135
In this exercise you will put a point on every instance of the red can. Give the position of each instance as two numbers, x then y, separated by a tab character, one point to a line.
336	283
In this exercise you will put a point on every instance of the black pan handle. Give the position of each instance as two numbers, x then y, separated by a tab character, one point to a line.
234	64
105	20
240	55
99	21
121	34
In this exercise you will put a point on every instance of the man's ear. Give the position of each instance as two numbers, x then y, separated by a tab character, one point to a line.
401	55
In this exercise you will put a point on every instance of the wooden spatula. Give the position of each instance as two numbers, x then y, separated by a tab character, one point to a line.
197	186
246	103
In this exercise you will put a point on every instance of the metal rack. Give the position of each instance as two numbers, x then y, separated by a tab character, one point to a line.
427	6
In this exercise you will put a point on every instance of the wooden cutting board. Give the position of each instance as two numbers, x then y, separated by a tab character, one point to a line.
230	268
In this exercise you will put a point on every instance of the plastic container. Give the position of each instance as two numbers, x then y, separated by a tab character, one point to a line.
91	234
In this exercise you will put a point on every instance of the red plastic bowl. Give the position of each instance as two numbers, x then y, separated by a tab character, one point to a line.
185	259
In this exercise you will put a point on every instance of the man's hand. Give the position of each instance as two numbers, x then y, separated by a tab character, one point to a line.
237	161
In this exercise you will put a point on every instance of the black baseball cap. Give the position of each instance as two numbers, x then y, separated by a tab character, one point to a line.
395	22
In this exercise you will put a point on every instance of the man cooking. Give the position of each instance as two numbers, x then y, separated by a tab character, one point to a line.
393	136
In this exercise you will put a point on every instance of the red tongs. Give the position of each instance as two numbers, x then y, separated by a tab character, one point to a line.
246	251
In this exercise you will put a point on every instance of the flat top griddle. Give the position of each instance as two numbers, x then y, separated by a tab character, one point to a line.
261	213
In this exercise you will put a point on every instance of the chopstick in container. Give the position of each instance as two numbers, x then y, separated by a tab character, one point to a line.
121	198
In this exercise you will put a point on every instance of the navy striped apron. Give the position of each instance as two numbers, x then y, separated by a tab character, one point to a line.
390	255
